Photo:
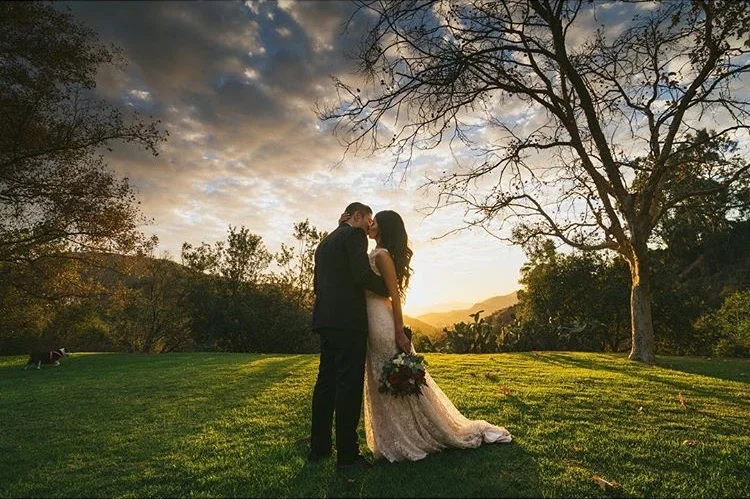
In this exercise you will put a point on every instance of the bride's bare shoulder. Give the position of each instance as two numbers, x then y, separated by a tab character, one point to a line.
383	256
382	252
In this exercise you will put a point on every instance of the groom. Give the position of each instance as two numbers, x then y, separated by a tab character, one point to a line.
342	271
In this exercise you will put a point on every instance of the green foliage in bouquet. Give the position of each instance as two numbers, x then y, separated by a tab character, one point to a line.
403	375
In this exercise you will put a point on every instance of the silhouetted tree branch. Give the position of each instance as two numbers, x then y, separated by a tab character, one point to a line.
593	101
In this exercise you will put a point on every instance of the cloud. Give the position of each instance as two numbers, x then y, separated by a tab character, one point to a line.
189	64
235	84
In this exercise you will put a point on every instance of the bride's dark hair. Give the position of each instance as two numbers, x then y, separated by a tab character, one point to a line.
393	238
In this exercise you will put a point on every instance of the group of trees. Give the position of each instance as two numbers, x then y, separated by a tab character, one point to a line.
74	268
238	304
578	300
233	295
618	158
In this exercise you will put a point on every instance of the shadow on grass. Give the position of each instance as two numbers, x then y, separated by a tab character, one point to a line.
118	417
499	470
727	369
260	453
656	374
704	388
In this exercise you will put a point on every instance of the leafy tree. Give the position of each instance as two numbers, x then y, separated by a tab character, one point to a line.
245	257
685	227
154	315
693	281
732	321
571	301
236	305
84	324
57	195
444	70
22	320
298	264
225	276
242	259
204	258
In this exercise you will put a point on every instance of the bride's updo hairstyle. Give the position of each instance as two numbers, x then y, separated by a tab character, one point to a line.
393	237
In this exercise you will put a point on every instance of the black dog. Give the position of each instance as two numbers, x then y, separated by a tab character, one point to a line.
50	357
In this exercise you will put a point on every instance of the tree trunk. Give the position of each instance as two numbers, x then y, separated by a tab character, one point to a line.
642	328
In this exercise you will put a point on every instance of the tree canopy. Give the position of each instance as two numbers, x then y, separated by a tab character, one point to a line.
57	193
564	131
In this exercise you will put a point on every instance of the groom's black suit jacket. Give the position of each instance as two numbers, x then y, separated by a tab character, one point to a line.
342	271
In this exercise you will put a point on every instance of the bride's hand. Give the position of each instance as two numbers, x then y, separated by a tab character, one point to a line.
344	217
402	341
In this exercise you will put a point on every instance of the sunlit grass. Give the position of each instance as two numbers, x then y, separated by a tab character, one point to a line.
230	425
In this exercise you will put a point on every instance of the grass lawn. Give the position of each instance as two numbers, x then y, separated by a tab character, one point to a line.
205	424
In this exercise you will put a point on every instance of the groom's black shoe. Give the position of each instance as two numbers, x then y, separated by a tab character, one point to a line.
314	457
358	462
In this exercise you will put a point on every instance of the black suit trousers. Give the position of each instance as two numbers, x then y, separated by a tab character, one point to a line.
338	390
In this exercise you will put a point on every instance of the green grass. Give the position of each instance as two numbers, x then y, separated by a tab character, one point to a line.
229	425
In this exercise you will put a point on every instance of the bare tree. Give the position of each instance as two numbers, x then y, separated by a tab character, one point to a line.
604	112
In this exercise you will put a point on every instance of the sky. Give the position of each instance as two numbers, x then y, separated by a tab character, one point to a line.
236	84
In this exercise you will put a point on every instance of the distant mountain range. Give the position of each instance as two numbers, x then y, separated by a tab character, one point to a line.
439	320
453	305
421	327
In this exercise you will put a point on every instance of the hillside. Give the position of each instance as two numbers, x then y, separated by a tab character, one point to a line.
420	326
440	320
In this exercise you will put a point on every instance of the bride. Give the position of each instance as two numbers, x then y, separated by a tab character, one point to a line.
406	428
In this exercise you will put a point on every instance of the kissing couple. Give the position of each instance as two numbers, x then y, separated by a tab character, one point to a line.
359	319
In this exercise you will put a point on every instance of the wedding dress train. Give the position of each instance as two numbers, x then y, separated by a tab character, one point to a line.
409	428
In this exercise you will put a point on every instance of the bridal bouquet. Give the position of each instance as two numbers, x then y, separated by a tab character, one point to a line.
403	375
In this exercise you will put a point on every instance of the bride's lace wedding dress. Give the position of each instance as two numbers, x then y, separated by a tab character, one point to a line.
409	428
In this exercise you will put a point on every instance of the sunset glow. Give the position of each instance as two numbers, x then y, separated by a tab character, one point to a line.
235	85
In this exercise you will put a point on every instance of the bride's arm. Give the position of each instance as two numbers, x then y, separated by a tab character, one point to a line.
385	264
356	249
